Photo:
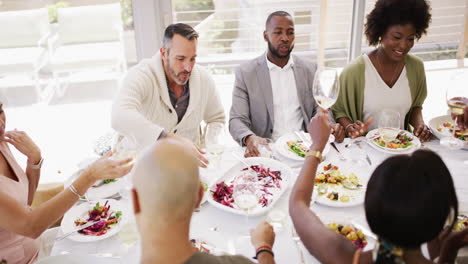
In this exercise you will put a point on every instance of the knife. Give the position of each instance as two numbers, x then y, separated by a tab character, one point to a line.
76	230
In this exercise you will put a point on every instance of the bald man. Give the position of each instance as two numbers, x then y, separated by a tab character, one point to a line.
166	191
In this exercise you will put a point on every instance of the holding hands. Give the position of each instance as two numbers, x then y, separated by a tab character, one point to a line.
358	129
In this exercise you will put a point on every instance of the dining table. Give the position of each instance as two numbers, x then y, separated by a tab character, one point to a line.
228	232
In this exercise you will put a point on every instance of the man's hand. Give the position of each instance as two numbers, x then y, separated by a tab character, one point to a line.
262	235
319	130
203	162
358	129
24	144
422	132
252	143
337	130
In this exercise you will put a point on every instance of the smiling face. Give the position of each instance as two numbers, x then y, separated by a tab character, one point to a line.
280	36
398	41
179	59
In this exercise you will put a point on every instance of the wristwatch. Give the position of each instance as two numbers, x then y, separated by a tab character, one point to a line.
36	166
315	153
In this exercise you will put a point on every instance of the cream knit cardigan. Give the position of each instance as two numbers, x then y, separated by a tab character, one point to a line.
142	108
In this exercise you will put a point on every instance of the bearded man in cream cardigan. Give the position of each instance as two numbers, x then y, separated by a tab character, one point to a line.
168	95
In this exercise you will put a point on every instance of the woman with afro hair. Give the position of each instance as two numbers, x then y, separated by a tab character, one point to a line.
388	77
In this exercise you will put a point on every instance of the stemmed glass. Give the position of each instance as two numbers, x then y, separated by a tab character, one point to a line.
389	124
326	87
457	99
123	149
213	142
245	192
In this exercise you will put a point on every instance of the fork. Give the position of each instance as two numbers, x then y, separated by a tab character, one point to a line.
297	240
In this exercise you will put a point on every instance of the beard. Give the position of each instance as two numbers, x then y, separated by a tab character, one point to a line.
275	52
175	76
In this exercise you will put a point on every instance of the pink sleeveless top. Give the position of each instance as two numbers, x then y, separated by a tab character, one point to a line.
14	248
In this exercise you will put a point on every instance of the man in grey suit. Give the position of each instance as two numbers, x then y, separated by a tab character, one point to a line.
273	93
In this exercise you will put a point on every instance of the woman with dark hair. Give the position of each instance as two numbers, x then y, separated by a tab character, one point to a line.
20	226
409	199
388	77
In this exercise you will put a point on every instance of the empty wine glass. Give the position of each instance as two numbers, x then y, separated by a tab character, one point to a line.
214	144
389	124
326	87
266	150
245	193
457	99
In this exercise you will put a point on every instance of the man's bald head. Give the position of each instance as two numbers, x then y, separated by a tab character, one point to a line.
166	181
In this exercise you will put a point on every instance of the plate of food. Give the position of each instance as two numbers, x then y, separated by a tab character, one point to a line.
462	223
362	239
392	140
443	126
101	189
202	245
293	147
271	181
108	216
338	186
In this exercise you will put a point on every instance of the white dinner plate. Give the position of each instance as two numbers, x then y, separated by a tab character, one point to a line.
81	211
436	122
356	196
95	193
78	259
374	133
282	148
286	175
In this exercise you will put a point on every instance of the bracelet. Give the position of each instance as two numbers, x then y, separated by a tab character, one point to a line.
36	166
264	250
73	190
263	247
315	153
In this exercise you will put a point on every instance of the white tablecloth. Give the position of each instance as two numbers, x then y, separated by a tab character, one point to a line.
224	229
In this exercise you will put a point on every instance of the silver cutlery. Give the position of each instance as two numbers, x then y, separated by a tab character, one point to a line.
297	240
76	230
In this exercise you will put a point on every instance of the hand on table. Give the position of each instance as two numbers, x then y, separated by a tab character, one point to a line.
262	235
337	130
422	132
252	142
319	130
358	128
24	144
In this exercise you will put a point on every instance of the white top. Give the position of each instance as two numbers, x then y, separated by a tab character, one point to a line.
286	106
142	108
379	96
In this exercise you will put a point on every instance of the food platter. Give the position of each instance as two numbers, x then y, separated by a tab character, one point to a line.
274	177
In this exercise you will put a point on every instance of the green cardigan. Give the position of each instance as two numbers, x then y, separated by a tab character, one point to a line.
350	102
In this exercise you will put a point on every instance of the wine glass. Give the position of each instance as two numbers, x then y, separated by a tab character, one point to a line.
125	148
389	124
457	99
266	149
326	87
245	193
213	142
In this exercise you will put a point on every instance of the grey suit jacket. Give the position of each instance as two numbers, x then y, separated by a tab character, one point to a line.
252	97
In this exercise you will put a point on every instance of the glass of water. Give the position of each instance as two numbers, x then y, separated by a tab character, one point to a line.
213	142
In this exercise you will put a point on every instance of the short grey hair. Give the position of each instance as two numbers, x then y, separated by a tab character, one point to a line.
182	29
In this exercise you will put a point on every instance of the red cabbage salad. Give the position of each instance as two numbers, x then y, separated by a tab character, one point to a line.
269	182
104	215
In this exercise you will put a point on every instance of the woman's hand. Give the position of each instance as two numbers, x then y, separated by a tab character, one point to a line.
337	130
262	235
107	168
319	130
24	144
358	129
422	132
